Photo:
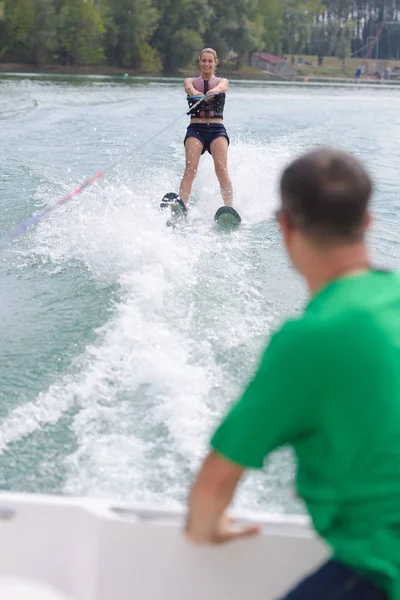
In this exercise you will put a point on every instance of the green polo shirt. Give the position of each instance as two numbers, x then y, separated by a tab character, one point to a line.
329	385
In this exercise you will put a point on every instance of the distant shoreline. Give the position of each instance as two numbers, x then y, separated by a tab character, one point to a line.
107	70
243	74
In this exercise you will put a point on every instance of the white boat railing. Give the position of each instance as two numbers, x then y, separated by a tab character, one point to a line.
99	550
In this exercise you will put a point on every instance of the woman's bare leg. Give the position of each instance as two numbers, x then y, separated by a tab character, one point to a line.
219	152
193	150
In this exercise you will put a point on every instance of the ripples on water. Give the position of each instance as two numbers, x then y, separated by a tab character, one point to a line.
123	340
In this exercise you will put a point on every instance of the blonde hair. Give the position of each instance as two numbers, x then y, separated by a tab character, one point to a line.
210	51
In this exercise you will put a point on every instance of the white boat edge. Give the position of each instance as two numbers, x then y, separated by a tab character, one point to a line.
88	549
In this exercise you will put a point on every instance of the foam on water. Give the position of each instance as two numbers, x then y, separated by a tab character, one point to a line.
147	394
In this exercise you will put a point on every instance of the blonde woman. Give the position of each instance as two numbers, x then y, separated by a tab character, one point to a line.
206	131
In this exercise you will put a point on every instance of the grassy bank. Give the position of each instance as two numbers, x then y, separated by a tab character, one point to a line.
307	70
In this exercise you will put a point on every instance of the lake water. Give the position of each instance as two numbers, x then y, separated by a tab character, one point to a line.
124	341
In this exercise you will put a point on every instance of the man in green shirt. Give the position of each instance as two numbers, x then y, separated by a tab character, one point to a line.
328	384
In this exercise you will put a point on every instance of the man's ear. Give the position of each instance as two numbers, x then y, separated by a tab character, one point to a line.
285	225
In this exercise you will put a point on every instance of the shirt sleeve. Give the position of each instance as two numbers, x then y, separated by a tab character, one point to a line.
278	404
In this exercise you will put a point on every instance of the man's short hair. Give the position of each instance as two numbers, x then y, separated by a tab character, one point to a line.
325	193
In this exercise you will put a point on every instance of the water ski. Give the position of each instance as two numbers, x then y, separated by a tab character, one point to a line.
227	218
176	206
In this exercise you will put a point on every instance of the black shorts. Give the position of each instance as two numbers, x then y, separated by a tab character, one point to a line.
206	133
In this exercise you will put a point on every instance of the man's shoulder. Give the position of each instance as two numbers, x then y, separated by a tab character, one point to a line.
296	330
295	341
311	334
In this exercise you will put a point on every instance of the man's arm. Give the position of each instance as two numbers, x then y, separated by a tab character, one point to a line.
211	493
278	406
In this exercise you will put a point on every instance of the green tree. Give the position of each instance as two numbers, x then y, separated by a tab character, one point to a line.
3	48
185	43
140	33
220	26
150	59
81	33
323	39
180	31
271	12
43	38
343	46
340	9
298	16
19	16
236	25
246	34
30	29
129	25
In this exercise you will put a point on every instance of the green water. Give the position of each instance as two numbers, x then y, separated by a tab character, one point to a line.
123	341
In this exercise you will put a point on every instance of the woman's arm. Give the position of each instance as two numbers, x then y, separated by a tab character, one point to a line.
220	88
189	89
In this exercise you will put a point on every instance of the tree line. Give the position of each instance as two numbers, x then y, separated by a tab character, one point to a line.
165	35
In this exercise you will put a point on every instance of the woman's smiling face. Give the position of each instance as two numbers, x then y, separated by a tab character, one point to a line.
207	63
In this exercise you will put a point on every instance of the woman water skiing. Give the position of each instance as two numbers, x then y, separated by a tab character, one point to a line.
206	131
